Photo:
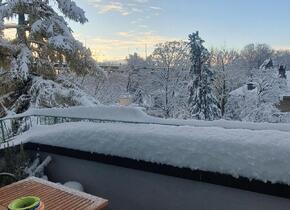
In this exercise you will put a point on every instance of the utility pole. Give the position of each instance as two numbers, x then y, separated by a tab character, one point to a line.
145	51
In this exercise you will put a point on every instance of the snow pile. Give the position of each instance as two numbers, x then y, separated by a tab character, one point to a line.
102	112
74	185
262	155
47	93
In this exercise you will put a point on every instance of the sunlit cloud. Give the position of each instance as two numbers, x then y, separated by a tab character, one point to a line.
112	7
281	47
124	33
108	49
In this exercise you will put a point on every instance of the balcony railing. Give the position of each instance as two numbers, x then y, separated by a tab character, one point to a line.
14	126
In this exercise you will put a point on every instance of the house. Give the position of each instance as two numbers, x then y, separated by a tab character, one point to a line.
125	100
249	91
110	68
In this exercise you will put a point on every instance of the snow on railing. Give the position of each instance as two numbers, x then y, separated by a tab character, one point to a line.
14	126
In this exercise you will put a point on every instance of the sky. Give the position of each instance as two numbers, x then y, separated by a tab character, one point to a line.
119	27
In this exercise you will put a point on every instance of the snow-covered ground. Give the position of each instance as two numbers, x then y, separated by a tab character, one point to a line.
263	155
133	114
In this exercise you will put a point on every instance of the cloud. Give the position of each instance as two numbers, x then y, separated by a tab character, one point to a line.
141	1
95	1
123	7
118	48
124	34
112	7
156	8
142	26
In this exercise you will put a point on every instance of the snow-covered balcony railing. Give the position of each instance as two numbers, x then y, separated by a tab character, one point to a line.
11	127
227	149
17	124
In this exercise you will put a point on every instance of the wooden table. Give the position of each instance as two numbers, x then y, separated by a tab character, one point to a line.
54	196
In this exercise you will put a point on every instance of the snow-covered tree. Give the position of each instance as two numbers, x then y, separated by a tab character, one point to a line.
44	42
223	64
137	69
44	37
170	66
259	103
202	101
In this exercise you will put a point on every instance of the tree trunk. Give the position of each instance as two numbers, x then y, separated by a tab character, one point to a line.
21	29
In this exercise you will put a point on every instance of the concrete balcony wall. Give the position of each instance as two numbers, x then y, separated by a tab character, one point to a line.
130	189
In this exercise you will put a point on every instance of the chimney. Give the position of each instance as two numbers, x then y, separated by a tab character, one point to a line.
282	72
250	86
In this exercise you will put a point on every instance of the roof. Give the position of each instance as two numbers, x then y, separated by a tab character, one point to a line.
242	91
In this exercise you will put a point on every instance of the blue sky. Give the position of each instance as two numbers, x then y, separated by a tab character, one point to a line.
119	27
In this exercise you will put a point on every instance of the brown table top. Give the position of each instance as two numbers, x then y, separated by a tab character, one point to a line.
54	196
3	208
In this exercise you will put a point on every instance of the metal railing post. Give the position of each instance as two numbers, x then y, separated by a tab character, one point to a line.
2	130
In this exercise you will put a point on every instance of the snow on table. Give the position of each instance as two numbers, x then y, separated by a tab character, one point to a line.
262	155
133	114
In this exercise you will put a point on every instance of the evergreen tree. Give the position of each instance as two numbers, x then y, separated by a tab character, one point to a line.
44	37
203	104
44	49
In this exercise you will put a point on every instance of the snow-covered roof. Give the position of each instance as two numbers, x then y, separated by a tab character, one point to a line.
262	155
242	91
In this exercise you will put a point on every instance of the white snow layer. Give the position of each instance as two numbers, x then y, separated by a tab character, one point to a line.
133	114
263	155
74	185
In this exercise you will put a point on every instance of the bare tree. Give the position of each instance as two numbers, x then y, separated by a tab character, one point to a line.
255	54
170	67
222	61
